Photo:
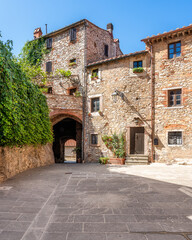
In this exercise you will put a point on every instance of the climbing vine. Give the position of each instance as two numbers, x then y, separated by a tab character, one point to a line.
24	114
31	57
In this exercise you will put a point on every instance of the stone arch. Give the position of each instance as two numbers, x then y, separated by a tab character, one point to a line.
66	125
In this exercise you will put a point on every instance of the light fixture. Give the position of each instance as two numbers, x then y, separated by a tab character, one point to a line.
115	94
136	120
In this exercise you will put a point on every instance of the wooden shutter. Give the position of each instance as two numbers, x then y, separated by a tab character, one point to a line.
49	43
72	34
106	50
49	67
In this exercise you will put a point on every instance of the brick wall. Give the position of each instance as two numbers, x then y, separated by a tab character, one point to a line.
172	74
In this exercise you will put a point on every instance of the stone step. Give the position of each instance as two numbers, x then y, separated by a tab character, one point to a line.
138	157
136	163
137	160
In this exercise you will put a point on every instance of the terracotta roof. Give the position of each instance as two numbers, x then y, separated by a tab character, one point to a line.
70	143
159	35
116	58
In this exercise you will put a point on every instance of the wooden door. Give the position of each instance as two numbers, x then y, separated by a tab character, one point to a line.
139	143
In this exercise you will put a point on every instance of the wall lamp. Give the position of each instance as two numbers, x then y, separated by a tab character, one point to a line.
115	94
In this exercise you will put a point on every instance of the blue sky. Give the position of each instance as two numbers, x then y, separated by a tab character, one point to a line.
133	20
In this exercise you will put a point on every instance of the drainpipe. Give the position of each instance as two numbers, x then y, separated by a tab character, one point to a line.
152	104
84	93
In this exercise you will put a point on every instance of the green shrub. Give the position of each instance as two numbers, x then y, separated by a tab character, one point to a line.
138	70
115	143
103	160
24	114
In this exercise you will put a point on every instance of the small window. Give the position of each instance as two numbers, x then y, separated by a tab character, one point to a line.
137	64
50	90
72	91
174	98
106	50
94	139
174	50
49	67
49	43
95	74
175	138
72	34
95	104
72	62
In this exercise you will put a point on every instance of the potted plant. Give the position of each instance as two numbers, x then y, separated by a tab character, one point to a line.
138	70
77	94
72	64
103	160
116	144
94	76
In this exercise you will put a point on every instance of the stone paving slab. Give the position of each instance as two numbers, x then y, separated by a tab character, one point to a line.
95	202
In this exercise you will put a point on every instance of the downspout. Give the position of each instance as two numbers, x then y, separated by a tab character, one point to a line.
84	92
152	104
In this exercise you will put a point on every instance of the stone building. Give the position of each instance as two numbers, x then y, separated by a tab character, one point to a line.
72	48
152	109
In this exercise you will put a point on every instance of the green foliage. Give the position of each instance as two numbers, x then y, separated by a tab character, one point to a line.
103	160
31	58
72	63
24	114
77	94
138	70
94	75
63	73
115	143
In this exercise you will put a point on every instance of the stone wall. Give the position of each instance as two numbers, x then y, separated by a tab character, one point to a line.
96	38
15	160
63	51
172	74
118	117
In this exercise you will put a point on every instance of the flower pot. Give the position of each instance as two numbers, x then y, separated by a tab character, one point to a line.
118	161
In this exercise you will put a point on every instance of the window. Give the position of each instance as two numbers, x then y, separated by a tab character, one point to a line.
174	98
95	73
49	67
72	91
72	62
174	50
95	104
72	33
106	50
175	138
94	139
49	43
137	64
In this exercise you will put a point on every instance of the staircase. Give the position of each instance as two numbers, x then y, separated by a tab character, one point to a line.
137	160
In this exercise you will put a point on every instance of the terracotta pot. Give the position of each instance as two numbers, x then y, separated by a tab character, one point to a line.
119	161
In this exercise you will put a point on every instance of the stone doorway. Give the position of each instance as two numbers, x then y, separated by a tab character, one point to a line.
65	130
137	140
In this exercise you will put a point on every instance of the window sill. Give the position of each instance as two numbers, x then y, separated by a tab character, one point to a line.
95	114
175	107
175	145
94	145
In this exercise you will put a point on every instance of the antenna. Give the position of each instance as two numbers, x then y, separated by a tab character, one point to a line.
46	28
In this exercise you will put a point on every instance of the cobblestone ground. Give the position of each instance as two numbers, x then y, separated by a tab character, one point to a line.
93	202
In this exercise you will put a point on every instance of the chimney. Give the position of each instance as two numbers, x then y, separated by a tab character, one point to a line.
110	28
37	33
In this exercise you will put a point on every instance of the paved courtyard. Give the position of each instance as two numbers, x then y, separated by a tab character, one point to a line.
96	202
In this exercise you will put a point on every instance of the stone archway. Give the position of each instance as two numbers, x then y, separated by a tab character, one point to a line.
66	126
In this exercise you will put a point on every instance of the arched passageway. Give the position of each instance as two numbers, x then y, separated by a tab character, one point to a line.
65	130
